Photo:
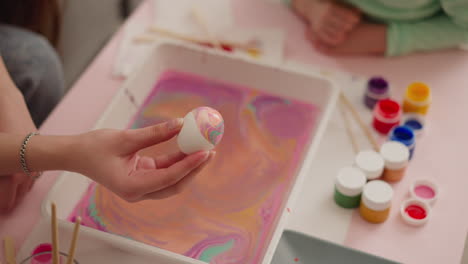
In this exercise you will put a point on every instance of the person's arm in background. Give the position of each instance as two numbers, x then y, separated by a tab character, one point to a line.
14	118
446	30
106	156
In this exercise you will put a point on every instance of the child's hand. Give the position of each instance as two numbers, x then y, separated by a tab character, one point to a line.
110	158
365	39
330	21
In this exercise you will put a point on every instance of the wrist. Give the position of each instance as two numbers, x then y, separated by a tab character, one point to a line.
45	153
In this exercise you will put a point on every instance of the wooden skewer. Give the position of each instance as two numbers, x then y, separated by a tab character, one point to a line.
71	251
361	123
55	245
174	35
10	254
144	39
349	130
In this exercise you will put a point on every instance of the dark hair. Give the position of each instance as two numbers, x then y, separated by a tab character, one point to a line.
41	16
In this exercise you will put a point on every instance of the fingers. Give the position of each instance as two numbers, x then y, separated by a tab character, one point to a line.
338	25
146	163
334	32
137	139
161	162
331	37
346	14
316	42
149	181
165	161
335	23
181	185
8	190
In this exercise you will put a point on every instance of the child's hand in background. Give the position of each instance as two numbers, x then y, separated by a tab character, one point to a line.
331	22
365	39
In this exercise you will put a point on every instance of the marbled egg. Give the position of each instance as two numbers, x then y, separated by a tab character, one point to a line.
203	129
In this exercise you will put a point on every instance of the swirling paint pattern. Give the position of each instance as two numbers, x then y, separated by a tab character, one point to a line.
210	123
229	213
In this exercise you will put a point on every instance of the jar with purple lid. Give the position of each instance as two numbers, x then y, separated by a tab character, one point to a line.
377	89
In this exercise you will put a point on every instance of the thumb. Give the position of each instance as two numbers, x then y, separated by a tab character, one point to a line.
138	139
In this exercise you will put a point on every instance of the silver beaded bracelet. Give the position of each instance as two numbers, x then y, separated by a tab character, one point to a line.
23	156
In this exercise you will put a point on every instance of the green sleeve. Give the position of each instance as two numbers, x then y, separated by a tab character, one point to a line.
447	30
457	10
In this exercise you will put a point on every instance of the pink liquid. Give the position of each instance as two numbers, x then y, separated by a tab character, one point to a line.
424	191
229	212
46	258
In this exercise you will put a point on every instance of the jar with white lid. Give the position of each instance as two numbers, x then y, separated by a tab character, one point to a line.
376	201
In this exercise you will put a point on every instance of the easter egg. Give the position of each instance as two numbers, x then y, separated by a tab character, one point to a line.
203	129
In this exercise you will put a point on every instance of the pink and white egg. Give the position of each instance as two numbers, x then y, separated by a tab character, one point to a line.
203	129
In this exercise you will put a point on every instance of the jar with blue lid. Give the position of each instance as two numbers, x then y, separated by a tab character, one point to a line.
416	122
404	135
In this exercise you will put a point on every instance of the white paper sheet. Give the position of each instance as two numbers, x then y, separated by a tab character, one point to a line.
176	15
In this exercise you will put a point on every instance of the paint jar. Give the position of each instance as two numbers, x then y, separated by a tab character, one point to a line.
348	187
371	163
404	135
377	89
417	98
395	156
415	212
42	254
387	115
376	201
424	190
416	122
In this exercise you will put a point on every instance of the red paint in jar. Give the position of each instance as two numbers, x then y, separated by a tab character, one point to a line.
416	212
387	115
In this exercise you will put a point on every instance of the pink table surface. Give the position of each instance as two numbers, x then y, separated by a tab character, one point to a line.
438	153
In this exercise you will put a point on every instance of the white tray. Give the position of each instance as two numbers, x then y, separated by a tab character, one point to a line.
170	55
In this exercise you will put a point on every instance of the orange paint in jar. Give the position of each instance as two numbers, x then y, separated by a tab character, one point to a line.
396	157
376	201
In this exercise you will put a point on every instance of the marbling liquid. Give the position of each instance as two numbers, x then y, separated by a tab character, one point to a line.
229	213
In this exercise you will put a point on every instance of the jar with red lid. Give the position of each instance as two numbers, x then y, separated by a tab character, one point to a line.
387	115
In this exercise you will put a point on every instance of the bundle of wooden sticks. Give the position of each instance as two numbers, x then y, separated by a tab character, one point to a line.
9	245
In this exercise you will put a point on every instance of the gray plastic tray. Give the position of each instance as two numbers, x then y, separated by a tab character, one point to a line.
301	249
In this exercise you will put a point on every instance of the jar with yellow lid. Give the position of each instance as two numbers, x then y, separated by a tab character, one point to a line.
417	98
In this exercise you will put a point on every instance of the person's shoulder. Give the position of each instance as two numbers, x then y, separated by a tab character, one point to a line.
457	10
